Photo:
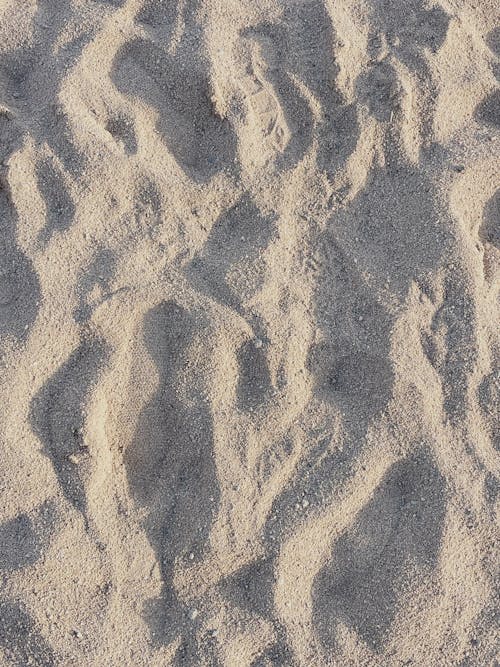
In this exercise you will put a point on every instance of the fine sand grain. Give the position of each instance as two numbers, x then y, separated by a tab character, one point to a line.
249	279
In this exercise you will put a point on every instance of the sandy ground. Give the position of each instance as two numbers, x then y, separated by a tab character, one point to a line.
249	281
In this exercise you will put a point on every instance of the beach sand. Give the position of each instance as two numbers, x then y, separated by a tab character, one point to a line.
249	378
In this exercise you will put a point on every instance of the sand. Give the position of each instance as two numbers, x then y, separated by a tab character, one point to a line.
249	376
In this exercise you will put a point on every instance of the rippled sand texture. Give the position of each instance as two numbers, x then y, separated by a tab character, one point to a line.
249	281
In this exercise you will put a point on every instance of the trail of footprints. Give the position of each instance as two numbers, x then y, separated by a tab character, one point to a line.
170	463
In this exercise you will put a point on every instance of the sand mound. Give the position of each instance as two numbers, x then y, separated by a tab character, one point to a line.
249	332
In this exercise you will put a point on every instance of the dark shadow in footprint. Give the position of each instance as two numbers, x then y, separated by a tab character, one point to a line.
149	206
488	394
121	128
491	487
398	221
302	48
394	543
170	463
196	650
236	240
19	292
312	53
254	383
379	90
177	85
278	654
59	206
162	16
272	40
19	285
415	26
489	230
457	318
488	112
251	587
357	381
493	40
32	76
411	28
57	416
98	274
24	539
21	640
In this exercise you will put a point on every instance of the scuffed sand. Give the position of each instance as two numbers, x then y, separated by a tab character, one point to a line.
249	281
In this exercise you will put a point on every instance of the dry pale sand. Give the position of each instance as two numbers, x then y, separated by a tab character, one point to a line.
249	275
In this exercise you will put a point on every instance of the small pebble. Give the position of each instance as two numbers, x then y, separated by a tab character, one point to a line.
258	343
77	634
73	458
194	614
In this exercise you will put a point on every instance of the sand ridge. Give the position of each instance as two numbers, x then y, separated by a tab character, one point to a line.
249	281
